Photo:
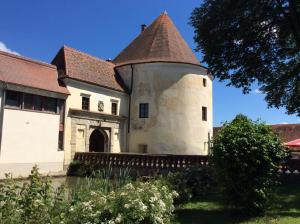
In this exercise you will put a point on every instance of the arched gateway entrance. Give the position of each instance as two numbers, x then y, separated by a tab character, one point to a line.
98	141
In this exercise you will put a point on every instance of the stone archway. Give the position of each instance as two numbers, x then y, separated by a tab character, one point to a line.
98	141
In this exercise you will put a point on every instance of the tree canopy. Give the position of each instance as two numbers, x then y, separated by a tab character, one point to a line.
253	41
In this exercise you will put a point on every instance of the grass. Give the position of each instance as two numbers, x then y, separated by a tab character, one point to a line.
285	210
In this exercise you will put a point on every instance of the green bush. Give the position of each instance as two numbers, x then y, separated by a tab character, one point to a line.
246	156
95	202
192	183
32	202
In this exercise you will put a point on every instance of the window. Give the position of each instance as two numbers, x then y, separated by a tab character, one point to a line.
143	148
204	82
114	108
61	112
144	110
204	113
85	103
38	102
13	99
28	101
50	104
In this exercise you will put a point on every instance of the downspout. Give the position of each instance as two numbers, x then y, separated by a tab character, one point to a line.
2	112
129	108
130	92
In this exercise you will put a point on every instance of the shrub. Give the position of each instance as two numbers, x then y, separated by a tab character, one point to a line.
192	183
36	202
246	156
33	202
149	202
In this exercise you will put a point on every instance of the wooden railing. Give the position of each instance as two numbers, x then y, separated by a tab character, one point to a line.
159	163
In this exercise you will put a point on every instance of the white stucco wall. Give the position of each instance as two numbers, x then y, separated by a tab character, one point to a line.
96	94
30	138
175	94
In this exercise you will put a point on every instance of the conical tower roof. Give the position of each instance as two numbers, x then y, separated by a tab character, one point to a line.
160	42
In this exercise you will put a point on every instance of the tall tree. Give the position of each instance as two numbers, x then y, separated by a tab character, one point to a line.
253	41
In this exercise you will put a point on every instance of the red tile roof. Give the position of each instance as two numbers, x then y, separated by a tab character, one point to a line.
27	72
77	65
160	42
287	132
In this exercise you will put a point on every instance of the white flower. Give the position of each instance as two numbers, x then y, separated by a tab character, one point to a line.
175	194
119	218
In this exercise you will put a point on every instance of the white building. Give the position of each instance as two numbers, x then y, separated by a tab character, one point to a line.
154	97
31	116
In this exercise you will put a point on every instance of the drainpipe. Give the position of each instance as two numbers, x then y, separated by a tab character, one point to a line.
129	106
130	92
4	87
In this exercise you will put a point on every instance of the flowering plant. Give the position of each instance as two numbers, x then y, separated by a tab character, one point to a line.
37	202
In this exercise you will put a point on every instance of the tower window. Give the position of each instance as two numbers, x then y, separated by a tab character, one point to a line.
85	105
114	108
204	113
204	82
144	110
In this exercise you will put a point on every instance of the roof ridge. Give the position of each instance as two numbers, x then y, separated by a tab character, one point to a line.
91	56
24	58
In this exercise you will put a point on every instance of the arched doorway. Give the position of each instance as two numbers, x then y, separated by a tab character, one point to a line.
97	141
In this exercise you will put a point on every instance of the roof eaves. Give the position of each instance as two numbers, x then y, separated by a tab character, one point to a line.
27	59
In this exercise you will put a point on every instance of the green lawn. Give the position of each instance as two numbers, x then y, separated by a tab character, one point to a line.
286	210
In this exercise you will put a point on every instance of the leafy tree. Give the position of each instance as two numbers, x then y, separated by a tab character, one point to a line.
253	41
246	156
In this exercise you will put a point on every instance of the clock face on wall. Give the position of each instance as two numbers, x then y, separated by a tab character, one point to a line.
100	106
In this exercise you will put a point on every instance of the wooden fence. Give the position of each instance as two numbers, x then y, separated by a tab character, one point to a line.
158	163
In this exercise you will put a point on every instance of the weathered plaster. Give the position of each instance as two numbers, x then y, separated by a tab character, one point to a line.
175	94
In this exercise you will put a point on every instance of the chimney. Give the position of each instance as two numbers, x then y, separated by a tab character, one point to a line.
143	27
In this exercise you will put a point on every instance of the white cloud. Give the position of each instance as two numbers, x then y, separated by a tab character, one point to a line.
4	48
284	123
257	91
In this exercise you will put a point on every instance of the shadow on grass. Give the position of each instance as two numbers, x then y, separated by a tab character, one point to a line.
286	204
202	216
287	201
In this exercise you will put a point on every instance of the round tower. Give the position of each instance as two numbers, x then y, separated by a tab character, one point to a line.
170	92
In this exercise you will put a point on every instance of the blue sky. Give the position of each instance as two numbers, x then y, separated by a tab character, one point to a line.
37	29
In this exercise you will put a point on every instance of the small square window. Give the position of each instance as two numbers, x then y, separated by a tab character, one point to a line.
13	99
204	82
114	108
144	110
204	113
85	103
